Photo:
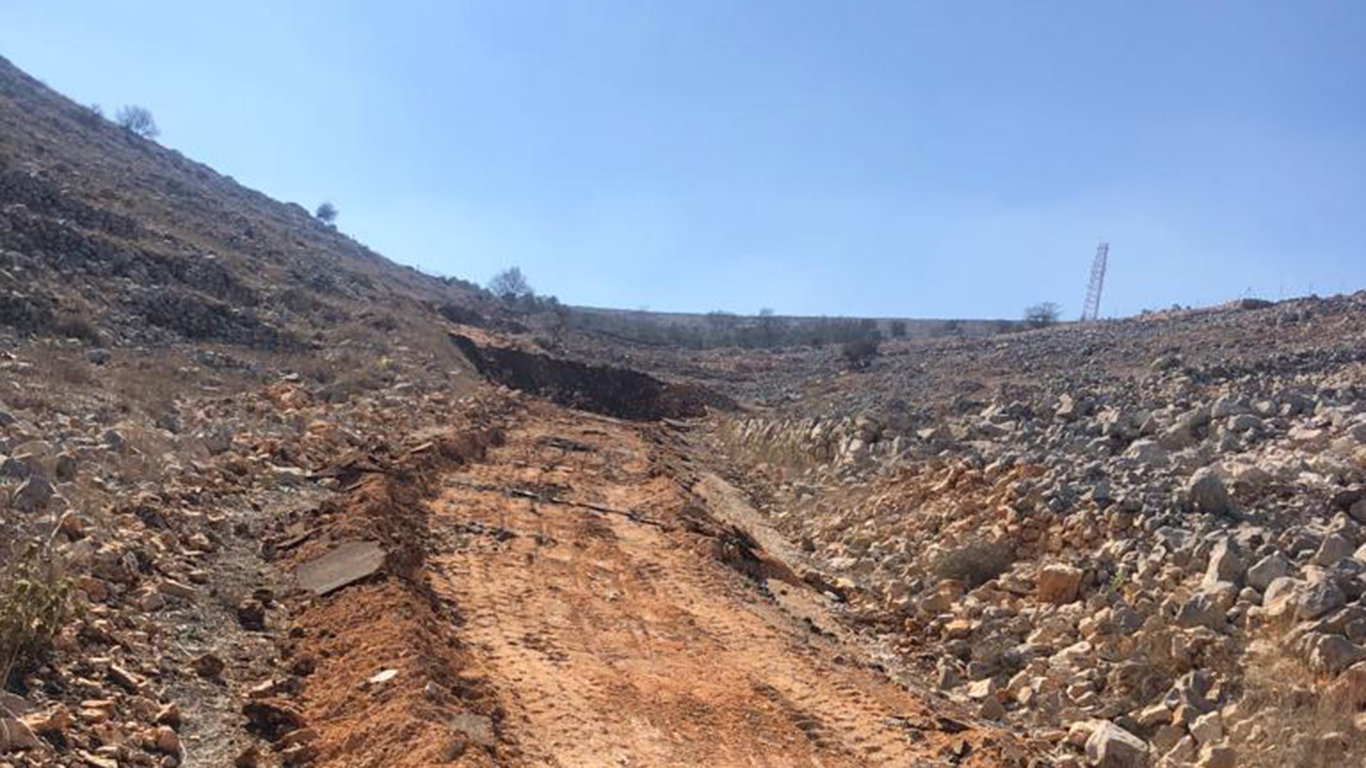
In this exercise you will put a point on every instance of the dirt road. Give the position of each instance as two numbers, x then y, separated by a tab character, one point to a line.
593	602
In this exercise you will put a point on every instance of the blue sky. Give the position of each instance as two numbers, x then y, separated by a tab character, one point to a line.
876	158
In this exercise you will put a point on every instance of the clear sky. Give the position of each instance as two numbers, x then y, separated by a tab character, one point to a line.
839	157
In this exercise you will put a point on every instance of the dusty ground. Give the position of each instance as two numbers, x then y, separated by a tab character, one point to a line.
617	638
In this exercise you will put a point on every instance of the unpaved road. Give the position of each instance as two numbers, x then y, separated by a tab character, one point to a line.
620	640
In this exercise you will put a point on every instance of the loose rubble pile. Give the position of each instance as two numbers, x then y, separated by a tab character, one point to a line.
1157	564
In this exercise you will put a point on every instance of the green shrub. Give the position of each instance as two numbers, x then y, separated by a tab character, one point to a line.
34	606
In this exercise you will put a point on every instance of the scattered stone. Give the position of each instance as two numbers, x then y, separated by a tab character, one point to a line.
272	719
1058	583
34	495
1267	570
209	666
1110	746
1225	564
251	614
1207	493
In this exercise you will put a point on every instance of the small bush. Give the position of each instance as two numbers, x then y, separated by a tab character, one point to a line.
34	607
1042	315
510	285
77	327
138	120
976	563
860	354
326	213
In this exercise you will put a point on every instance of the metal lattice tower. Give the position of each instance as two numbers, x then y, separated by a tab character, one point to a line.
1091	309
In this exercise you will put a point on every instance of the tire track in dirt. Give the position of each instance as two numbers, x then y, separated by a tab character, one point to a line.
611	642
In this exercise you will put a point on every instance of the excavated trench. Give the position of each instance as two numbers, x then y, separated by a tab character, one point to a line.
607	390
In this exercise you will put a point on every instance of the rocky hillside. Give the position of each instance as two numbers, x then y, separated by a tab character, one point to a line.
112	239
1152	530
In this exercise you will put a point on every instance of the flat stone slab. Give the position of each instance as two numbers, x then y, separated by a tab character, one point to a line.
346	564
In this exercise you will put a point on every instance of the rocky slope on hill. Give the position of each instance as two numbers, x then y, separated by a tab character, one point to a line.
1154	524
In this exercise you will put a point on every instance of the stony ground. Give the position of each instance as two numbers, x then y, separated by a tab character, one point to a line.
1149	530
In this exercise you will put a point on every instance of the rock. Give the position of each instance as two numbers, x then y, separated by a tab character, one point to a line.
1333	550
169	715
1332	654
272	719
1146	452
15	735
176	589
251	614
1110	746
1071	408
299	754
982	689
1058	583
1208	728
1280	598
166	740
34	495
1225	564
65	468
1358	511
50	723
1267	570
208	665
1217	756
1208	607
125	679
1317	598
1206	492
382	677
248	758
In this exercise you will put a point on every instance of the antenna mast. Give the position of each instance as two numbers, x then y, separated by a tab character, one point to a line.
1091	309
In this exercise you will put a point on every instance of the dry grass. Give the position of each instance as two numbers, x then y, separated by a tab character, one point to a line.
1304	720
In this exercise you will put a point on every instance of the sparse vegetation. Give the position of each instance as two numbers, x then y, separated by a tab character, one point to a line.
1304	721
510	285
326	213
34	607
138	120
74	326
1042	315
860	353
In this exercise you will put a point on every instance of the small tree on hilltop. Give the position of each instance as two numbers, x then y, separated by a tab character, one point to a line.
326	213
1042	315
138	120
510	284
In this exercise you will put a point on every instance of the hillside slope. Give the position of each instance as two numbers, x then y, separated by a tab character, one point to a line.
114	238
